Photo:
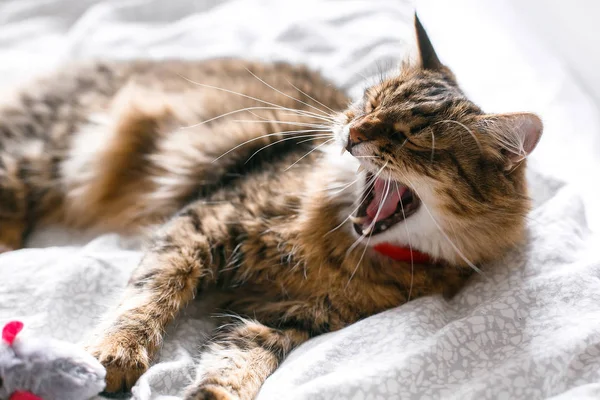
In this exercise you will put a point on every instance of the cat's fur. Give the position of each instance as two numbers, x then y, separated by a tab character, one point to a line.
101	146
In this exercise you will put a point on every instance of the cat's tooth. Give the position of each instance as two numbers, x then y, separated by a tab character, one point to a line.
360	169
358	220
343	151
367	230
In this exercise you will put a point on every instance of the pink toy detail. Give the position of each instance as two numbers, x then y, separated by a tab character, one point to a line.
24	396
10	331
45	368
9	334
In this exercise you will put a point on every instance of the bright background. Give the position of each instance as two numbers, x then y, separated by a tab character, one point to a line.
537	55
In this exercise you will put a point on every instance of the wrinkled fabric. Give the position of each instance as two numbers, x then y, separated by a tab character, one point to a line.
528	328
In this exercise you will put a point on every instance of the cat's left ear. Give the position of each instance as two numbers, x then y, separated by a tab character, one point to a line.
517	134
427	56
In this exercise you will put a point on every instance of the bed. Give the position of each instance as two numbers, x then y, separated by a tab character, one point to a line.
528	328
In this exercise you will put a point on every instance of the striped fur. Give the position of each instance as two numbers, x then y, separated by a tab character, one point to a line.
233	206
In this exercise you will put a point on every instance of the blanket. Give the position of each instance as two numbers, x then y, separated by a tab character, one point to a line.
527	328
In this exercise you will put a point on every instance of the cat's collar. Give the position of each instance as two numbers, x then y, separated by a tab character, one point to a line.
405	254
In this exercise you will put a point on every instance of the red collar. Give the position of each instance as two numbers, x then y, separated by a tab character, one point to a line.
399	253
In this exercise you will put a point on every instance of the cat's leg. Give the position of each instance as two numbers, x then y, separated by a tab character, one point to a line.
178	265
245	353
13	203
238	361
29	189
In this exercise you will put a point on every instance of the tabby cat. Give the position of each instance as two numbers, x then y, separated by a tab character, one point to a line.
237	165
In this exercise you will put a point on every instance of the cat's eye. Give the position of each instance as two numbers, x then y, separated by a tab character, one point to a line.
394	133
400	134
401	130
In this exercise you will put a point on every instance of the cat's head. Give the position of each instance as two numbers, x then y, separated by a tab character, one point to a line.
439	173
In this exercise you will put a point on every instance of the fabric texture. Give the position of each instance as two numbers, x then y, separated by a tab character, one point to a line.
528	328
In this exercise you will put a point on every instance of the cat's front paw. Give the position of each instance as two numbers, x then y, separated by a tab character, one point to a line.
124	358
209	392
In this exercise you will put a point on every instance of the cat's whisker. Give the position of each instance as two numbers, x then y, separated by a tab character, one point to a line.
364	197
258	116
227	314
454	246
381	72
343	187
359	260
466	128
314	137
284	133
297	123
412	261
308	114
370	227
271	121
517	165
324	135
432	145
302	113
249	109
511	142
285	94
312	98
338	188
363	76
366	156
388	184
368	183
280	107
308	153
326	119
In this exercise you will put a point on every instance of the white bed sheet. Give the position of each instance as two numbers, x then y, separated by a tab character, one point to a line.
529	328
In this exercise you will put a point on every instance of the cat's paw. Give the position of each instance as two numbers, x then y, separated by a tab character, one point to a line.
124	358
209	392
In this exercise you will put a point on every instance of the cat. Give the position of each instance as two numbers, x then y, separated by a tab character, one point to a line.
235	169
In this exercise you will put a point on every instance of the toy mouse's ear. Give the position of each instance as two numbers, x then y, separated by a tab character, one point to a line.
24	396
10	331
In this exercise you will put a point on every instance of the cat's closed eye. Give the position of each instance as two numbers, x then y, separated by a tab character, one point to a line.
400	130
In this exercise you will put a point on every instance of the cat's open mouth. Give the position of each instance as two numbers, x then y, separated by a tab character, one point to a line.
388	202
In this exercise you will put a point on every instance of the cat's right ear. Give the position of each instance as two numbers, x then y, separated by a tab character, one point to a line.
517	134
427	56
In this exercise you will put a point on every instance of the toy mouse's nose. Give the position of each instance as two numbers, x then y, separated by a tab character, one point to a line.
10	331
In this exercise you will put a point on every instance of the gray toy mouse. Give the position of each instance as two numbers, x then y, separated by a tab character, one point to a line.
46	369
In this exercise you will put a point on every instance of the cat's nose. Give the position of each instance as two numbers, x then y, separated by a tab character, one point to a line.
355	137
363	130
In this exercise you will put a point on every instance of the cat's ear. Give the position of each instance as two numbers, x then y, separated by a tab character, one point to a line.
517	134
428	58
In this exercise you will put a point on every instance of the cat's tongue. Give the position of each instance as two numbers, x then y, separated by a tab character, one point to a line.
388	207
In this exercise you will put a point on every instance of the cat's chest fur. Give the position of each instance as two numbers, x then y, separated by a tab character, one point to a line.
290	244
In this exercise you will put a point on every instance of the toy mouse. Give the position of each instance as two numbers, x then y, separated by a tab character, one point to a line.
48	369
